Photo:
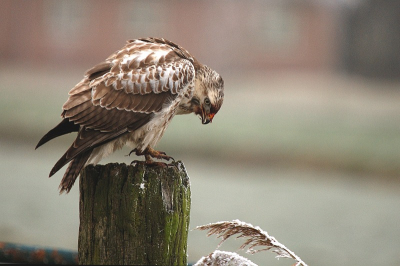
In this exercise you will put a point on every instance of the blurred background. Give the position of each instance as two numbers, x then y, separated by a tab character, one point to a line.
306	145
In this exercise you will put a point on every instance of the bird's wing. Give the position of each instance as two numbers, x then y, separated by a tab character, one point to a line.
138	79
123	93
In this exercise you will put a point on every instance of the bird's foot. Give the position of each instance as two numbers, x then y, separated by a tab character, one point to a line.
157	154
151	153
152	163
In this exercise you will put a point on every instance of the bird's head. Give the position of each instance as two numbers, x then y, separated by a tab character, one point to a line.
208	94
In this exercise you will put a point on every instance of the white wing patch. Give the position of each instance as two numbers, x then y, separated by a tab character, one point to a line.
144	68
139	56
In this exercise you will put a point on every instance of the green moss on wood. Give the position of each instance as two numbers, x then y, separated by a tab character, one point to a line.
134	215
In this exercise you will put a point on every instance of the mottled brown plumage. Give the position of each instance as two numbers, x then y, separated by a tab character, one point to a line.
130	99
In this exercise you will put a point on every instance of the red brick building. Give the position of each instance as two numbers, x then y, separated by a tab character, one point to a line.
225	34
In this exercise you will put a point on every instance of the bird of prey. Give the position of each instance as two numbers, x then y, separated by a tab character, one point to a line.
129	99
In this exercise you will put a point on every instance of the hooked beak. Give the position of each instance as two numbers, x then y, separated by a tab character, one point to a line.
205	114
206	118
205	121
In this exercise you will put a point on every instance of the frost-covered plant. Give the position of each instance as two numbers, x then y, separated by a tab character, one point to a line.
256	237
224	258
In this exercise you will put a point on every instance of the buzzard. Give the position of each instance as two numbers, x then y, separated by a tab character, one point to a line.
129	99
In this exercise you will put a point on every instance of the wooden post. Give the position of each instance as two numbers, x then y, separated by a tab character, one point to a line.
134	214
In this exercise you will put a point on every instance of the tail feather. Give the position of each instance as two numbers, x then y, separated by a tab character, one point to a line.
62	128
73	170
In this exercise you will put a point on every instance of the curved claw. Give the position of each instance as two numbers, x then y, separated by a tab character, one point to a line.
173	165
133	151
135	162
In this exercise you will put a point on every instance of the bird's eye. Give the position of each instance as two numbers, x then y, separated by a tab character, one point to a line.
207	101
195	101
